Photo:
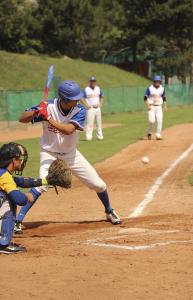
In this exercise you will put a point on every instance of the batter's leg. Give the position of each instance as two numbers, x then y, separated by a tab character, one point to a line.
90	123
99	132
46	159
82	169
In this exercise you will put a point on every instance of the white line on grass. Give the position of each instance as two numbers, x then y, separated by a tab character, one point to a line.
154	188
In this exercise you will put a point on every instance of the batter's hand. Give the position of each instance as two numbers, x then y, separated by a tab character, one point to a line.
42	111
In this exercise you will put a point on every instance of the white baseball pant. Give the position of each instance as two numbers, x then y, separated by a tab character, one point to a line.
93	113
79	166
155	114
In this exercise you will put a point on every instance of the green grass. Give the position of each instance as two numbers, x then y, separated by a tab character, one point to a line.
190	179
133	127
24	72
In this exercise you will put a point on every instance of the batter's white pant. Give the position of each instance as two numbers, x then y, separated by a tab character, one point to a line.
155	115
92	114
79	166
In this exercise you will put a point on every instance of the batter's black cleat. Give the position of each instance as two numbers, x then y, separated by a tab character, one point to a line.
113	218
12	249
18	227
149	136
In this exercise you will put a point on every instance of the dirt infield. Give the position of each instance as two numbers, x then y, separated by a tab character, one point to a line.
74	254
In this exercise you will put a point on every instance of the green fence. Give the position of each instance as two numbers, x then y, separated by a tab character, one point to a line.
120	99
130	99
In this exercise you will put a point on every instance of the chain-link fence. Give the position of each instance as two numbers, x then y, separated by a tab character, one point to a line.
130	99
118	99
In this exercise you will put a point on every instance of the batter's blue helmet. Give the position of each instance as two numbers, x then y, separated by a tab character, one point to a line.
157	78
69	90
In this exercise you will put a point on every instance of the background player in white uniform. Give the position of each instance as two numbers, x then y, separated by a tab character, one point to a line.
62	118
94	98
154	98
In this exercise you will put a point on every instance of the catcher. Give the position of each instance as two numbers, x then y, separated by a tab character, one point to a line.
13	158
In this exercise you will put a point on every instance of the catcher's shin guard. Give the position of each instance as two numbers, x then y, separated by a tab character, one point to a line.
7	220
26	208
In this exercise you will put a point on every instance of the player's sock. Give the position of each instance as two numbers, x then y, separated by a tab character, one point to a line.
104	197
26	208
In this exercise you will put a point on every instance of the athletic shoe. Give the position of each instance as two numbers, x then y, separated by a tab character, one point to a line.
149	136
113	218
18	227
12	249
158	137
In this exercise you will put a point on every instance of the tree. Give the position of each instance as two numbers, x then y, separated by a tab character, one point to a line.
14	24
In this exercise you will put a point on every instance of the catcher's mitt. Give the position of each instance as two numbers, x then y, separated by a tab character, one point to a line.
59	174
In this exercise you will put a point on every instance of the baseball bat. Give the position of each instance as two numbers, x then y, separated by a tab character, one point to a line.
48	82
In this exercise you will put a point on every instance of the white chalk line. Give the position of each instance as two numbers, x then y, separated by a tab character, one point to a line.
145	231
140	247
158	182
131	232
139	210
100	242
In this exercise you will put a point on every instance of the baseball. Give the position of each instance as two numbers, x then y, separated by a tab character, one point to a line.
145	160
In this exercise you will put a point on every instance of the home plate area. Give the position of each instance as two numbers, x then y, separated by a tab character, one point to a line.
135	239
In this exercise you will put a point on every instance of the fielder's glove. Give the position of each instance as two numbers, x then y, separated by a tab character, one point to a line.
59	174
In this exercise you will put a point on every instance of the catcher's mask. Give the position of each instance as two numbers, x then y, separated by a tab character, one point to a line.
10	151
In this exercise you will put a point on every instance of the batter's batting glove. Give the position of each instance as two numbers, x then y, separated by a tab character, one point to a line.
43	112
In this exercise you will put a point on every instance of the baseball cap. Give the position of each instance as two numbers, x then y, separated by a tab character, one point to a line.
92	78
157	78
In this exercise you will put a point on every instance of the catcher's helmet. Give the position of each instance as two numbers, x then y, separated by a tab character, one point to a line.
69	90
157	78
10	151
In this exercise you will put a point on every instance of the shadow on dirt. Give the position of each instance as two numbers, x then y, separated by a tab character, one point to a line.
53	228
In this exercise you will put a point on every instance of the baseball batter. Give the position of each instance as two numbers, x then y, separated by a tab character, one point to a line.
154	98
94	98
61	119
